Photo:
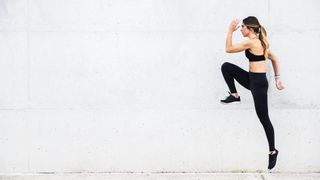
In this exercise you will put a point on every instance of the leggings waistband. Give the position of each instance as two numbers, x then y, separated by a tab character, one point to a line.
257	72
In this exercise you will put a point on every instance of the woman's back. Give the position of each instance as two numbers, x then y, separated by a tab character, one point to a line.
257	49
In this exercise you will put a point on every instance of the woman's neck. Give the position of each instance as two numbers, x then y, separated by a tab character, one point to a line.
252	36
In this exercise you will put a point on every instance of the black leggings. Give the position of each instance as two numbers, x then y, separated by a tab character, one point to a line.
257	83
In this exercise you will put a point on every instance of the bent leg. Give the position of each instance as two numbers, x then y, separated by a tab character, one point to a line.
231	72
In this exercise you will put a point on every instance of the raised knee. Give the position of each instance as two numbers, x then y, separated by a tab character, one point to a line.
225	65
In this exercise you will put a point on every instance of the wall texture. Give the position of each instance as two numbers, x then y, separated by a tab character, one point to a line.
134	86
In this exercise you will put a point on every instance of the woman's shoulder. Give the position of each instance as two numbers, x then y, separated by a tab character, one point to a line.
256	43
252	43
249	42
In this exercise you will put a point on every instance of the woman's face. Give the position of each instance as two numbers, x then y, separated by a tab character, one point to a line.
244	30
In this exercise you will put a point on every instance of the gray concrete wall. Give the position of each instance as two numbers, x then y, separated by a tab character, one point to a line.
134	86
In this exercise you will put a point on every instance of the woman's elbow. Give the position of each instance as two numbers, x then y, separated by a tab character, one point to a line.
273	59
228	50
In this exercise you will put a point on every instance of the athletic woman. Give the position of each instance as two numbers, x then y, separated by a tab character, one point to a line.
257	51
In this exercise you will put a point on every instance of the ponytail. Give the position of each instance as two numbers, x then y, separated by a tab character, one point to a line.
263	39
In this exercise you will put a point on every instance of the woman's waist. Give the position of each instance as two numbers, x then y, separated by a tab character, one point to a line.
257	72
258	67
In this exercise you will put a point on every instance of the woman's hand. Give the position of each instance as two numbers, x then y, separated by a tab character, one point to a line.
279	84
234	25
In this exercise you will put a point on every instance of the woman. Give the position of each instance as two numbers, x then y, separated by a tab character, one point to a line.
257	51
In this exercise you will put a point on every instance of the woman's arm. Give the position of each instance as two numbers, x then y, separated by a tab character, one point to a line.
276	68
230	48
275	63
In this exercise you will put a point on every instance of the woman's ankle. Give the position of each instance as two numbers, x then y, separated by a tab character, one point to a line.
272	152
235	94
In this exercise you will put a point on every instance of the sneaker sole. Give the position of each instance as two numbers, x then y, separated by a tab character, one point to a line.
235	102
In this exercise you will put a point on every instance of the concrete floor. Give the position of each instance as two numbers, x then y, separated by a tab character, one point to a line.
163	176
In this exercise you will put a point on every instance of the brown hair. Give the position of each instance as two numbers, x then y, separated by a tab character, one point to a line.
253	23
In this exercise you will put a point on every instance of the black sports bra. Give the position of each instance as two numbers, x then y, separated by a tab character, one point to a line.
253	57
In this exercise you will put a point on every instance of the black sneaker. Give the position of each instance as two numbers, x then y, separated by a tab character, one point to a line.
231	99
273	159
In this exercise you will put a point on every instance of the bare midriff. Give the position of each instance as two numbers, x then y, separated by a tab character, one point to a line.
258	66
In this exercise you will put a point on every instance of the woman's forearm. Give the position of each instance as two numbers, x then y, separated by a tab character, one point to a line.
276	67
228	41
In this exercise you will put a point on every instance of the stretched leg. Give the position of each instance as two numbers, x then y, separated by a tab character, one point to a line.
259	91
231	72
260	97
